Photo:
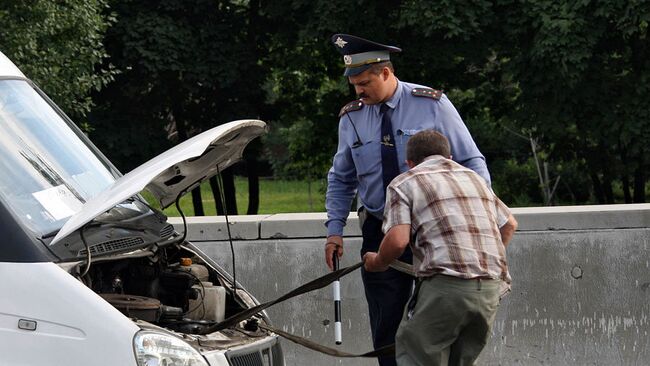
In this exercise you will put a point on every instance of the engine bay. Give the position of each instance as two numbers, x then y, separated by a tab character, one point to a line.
174	289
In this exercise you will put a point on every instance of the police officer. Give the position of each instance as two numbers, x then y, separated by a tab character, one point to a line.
373	132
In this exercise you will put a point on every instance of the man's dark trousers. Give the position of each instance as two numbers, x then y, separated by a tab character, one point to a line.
386	292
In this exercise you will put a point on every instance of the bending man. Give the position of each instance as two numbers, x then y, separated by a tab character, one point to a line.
460	231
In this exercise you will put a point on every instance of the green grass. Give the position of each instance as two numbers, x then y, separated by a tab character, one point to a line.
276	196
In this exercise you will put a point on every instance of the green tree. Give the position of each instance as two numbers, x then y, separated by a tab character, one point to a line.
583	71
569	76
186	66
449	47
58	44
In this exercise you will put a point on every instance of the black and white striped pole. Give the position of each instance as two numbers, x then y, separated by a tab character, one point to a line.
336	285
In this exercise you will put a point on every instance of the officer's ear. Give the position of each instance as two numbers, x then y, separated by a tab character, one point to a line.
385	73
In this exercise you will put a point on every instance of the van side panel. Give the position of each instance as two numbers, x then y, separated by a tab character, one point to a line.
47	317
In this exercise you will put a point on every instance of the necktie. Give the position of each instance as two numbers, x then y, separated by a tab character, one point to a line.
389	165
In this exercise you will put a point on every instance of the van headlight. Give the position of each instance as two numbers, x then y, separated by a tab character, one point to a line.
161	349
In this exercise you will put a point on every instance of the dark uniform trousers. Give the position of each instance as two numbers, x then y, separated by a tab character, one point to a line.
386	292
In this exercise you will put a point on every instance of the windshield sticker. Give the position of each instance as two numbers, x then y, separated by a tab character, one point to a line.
58	201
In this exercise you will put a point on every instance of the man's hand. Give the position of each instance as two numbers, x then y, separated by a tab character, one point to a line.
372	263
334	244
392	246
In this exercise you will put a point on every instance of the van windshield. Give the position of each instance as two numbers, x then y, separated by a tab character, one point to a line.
47	171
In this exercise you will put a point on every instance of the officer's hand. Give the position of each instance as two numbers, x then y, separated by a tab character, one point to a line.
334	244
372	263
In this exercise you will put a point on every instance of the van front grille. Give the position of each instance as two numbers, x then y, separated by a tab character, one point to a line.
113	245
266	356
249	359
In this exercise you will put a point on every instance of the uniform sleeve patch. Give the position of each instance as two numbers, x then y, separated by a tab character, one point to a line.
354	105
427	92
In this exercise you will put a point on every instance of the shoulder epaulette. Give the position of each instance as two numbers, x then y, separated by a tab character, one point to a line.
354	105
427	92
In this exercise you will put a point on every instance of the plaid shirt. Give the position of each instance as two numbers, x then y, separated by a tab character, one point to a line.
455	219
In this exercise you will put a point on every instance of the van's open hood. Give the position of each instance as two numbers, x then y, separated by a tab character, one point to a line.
174	172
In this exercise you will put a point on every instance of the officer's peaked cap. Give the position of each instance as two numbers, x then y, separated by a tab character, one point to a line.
359	54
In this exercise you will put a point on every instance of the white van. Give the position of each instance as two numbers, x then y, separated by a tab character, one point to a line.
90	273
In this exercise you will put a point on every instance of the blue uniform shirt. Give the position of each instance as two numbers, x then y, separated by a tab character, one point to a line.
357	166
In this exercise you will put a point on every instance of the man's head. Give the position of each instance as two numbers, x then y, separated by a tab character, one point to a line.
426	143
368	67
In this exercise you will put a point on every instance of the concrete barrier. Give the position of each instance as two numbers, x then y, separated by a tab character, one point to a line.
581	284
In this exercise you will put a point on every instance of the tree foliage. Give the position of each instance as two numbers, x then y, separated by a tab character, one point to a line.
582	68
570	77
183	68
59	45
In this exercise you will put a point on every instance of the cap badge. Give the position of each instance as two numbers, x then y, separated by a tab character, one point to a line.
340	42
347	59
